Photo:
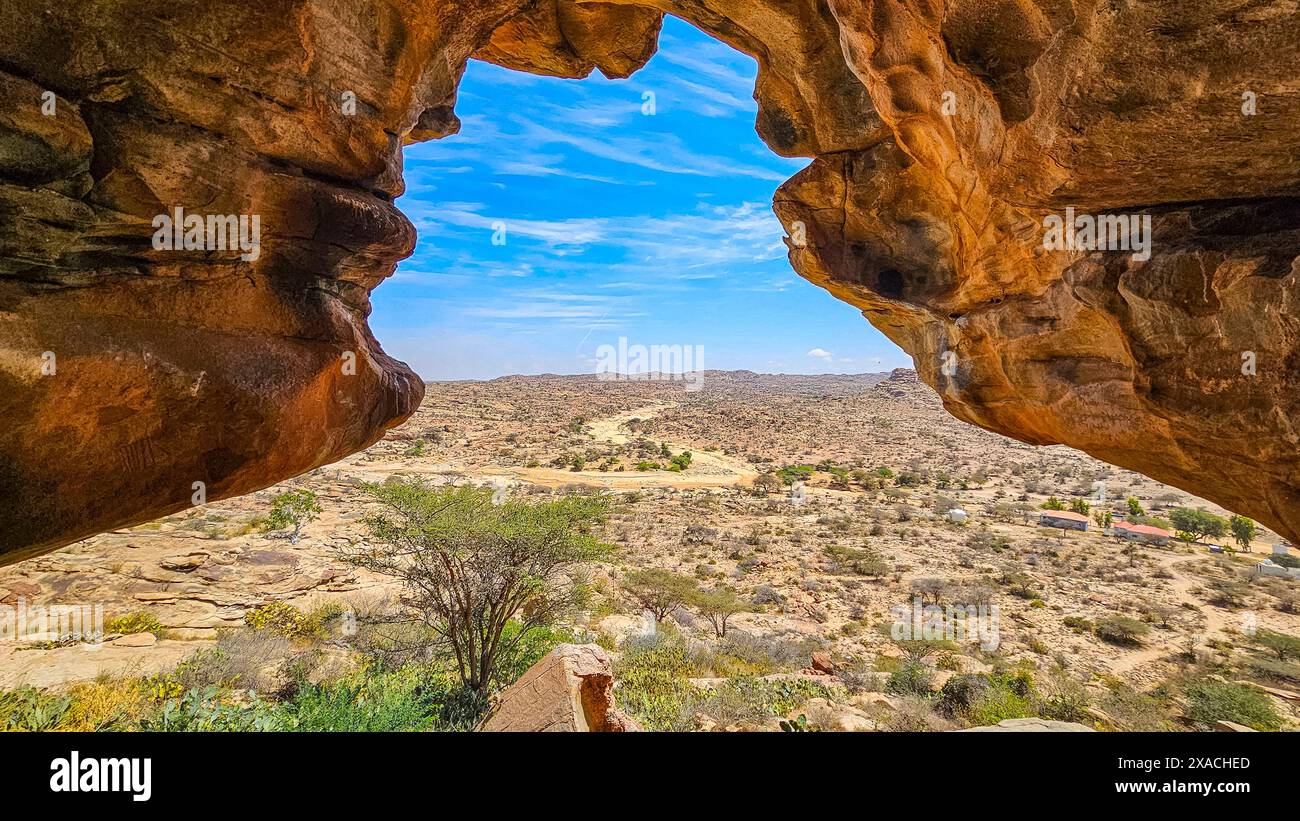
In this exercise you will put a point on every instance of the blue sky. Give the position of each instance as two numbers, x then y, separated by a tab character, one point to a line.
656	227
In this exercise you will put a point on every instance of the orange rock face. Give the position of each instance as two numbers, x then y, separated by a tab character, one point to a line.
133	378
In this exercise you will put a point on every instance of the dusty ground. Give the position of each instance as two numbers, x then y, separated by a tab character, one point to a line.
201	570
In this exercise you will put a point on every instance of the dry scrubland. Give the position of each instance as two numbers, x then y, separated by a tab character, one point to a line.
228	625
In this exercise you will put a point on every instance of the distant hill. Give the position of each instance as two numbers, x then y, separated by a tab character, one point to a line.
829	384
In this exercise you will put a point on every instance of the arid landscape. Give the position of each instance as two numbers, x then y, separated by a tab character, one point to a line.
818	505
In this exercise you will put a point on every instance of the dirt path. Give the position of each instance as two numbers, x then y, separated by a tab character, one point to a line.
706	470
1181	584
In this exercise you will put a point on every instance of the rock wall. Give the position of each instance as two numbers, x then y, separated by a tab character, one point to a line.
133	379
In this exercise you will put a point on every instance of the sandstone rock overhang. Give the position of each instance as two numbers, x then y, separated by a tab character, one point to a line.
943	134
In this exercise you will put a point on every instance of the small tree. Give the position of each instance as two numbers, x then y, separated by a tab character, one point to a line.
1159	612
1280	643
1121	630
1195	523
1135	507
929	589
1080	506
1103	518
1053	503
1243	531
293	508
471	567
918	649
659	591
718	606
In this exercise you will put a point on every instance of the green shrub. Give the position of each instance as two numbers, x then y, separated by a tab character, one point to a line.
1122	630
372	699
1135	711
1209	701
1078	624
653	684
139	622
1006	697
294	508
863	562
32	710
911	678
1282	644
743	654
1284	671
960	693
1068	701
210	710
105	705
751	701
283	618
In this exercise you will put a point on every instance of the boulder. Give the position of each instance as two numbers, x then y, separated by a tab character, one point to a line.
570	690
834	716
183	563
1224	726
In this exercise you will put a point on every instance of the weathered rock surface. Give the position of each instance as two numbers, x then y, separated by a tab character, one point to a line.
570	690
943	133
59	667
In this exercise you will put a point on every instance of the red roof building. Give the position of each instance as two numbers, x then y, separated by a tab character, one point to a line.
1141	533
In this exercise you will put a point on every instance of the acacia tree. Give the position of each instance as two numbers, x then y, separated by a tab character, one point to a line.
293	507
718	606
1197	523
471	567
659	591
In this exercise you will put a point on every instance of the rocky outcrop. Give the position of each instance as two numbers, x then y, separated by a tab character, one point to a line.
135	381
570	690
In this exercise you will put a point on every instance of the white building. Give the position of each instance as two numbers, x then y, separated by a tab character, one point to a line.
1268	568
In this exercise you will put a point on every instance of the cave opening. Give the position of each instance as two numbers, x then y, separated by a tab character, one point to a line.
567	216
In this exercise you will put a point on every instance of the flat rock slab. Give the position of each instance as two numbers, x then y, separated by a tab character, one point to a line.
64	666
1031	725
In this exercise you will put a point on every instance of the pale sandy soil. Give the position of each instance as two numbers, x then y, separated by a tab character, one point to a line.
706	522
